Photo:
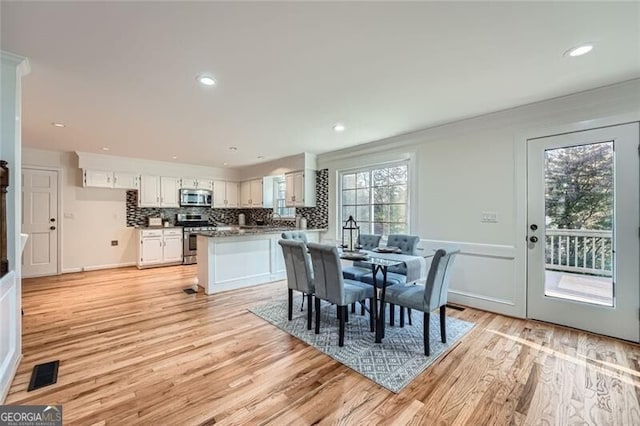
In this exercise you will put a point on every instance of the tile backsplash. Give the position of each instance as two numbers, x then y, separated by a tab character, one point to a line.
317	217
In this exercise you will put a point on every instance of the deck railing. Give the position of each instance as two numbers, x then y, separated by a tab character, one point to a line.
579	250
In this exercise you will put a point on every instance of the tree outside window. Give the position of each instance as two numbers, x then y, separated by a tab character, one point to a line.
377	198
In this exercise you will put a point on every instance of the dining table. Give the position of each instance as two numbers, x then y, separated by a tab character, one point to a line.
380	262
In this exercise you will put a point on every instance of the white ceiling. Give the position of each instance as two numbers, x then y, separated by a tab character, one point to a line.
122	75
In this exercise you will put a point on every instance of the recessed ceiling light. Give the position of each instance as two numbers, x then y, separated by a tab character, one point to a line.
105	148
338	128
206	80
225	164
233	148
174	157
260	157
54	124
579	50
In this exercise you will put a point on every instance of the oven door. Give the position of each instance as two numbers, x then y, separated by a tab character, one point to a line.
190	248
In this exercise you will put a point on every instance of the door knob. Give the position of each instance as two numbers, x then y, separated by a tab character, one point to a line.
533	227
53	228
53	219
533	239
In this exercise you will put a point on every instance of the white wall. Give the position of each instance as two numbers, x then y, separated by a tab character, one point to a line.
467	167
12	68
279	167
92	217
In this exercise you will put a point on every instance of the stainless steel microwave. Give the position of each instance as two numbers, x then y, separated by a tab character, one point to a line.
195	198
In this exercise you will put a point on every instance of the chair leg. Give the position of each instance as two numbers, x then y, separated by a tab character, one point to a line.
342	321
409	314
309	310
345	311
401	316
425	330
302	304
443	323
372	314
353	308
362	302
392	314
338	312
317	315
290	304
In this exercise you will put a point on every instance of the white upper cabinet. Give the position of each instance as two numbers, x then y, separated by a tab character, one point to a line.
98	179
169	192
300	188
251	193
103	179
225	194
196	183
126	180
156	191
149	193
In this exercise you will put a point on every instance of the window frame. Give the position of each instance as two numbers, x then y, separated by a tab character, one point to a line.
370	168
276	182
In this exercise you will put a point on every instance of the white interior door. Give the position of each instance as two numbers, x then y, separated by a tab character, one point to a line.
40	221
583	236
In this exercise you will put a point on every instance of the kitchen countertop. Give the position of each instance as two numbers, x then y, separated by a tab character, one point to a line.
258	230
156	227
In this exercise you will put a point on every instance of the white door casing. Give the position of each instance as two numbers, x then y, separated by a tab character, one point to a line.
40	221
622	319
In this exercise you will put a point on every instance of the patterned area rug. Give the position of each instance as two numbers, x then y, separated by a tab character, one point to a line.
392	364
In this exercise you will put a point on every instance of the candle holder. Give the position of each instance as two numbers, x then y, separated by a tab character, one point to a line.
350	235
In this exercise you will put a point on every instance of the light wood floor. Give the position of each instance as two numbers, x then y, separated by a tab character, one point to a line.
135	349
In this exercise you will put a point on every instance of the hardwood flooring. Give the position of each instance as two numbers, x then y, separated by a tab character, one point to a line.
135	349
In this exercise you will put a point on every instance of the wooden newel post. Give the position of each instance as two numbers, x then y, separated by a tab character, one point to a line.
4	183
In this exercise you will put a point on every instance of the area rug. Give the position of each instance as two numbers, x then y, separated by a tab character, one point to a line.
393	364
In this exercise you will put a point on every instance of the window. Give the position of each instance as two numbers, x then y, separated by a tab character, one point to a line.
279	188
377	198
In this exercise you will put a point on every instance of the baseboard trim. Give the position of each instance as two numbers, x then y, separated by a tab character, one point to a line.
12	374
98	267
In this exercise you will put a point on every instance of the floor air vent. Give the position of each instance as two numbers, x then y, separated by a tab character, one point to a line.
189	291
457	308
44	375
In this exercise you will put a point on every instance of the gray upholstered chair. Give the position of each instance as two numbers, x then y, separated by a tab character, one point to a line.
429	297
332	287
366	242
299	273
295	235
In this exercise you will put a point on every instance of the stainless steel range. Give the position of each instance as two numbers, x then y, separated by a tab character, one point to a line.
191	223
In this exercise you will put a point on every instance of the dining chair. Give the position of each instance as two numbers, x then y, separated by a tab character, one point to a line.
408	244
331	286
429	297
299	274
295	235
358	269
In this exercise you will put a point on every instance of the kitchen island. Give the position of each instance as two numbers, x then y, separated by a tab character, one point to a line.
238	258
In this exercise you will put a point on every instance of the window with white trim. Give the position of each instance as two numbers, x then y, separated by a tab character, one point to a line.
377	197
279	205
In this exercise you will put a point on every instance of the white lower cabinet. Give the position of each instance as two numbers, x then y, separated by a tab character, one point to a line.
158	247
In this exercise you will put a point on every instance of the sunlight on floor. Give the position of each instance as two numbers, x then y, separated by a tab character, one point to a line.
581	360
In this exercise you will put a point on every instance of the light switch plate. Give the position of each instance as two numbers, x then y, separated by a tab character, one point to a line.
489	217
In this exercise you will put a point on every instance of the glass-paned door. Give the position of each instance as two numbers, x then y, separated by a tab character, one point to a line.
583	219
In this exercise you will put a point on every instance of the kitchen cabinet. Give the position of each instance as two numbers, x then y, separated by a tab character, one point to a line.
225	194
126	180
251	193
169	192
158	191
159	247
98	179
300	188
105	179
193	183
